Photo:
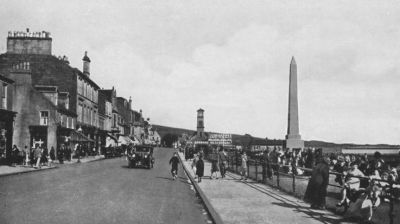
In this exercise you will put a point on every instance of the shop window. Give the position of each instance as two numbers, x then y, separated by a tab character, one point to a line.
44	117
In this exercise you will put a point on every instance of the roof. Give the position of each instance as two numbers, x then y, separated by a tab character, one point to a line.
41	65
6	80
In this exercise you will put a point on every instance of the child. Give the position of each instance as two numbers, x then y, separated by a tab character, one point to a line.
200	168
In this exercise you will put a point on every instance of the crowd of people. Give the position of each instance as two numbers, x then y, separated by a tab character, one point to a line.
39	156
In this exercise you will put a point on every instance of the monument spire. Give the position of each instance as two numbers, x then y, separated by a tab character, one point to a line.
293	138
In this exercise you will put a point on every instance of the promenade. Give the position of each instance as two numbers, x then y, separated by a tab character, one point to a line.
236	201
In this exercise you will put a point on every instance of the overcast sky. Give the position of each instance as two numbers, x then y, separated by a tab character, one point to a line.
231	58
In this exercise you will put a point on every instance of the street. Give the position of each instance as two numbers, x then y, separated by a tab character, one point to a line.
101	192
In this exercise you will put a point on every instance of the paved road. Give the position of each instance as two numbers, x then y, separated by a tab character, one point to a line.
101	192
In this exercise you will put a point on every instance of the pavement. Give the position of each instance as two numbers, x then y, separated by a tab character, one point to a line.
10	170
236	201
105	191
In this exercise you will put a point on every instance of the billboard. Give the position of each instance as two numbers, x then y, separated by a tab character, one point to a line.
220	139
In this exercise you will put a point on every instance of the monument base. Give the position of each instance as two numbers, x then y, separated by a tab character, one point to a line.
294	144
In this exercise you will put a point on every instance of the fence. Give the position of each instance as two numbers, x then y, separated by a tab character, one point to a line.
281	177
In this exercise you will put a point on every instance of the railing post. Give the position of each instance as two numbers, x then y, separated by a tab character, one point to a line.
256	171
248	169
294	179
277	175
236	162
391	209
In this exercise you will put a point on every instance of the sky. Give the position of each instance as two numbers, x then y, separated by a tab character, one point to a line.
231	58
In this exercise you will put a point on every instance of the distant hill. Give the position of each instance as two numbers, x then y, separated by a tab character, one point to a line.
247	139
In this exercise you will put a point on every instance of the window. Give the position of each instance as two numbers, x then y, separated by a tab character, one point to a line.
4	96
80	112
44	117
95	118
61	120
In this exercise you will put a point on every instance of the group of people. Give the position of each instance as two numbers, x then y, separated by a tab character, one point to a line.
35	157
219	163
362	179
39	156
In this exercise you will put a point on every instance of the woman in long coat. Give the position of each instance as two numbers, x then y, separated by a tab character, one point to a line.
200	168
317	185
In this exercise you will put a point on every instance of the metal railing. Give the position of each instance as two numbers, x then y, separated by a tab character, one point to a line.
283	177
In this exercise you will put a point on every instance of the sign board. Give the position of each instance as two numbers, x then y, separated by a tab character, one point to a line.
220	139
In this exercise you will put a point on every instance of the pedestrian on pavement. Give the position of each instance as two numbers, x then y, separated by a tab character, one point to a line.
27	155
44	158
21	156
52	156
267	169
174	161
194	163
243	172
32	156
38	155
14	155
223	161
214	165
60	154
200	168
318	184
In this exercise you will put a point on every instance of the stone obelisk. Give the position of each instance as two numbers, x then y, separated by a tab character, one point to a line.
293	138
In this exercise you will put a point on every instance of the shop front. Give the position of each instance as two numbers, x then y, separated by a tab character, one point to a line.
6	133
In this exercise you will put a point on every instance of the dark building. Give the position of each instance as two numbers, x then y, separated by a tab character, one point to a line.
7	116
45	118
73	86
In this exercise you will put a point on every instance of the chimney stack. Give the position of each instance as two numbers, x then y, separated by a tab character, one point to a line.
86	64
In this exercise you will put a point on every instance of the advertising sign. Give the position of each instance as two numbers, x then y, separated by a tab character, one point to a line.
220	139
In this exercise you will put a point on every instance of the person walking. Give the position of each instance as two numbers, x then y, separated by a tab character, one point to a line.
223	161
214	165
14	155
38	155
32	156
200	168
52	155
174	161
60	154
317	185
194	163
27	155
243	172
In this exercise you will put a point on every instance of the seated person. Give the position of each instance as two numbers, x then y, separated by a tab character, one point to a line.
351	185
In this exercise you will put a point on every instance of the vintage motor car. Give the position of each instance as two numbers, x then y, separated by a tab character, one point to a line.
141	156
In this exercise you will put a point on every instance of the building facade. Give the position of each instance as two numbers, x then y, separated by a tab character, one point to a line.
7	116
75	89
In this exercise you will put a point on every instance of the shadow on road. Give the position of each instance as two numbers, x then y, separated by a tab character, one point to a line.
320	215
134	168
166	178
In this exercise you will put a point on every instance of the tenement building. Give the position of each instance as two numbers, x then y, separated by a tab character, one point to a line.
58	103
7	116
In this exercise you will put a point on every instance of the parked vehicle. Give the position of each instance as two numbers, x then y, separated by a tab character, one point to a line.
141	156
109	152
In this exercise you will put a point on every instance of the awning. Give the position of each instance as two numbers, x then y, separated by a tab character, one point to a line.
112	137
124	140
111	141
79	137
135	140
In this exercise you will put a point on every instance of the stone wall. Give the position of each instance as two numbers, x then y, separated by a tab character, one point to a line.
29	45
